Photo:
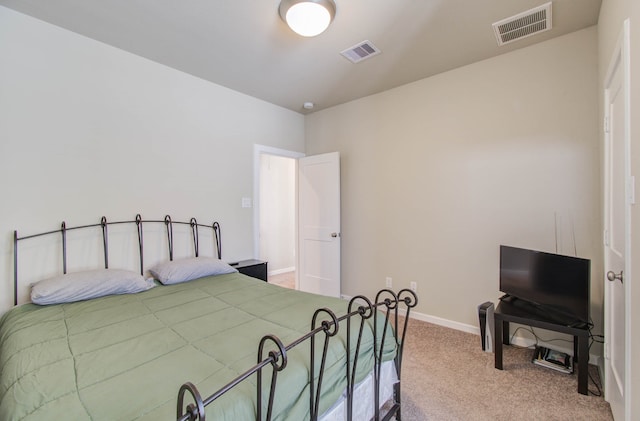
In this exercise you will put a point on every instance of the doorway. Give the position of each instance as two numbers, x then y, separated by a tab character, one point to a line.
275	216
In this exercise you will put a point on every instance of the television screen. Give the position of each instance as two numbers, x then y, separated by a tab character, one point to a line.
550	281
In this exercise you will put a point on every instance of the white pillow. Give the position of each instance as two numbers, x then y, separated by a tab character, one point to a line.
86	285
183	270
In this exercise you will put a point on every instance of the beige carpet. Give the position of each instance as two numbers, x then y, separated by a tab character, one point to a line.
447	376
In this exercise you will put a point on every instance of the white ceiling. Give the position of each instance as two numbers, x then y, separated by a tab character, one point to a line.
245	46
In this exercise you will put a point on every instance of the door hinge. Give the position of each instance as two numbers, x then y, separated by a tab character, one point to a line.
606	124
631	190
605	236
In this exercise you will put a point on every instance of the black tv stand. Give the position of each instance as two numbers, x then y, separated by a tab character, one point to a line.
507	312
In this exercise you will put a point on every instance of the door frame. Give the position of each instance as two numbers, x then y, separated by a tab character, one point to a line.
258	151
620	61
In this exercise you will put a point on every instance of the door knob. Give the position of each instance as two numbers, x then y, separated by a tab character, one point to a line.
611	275
334	234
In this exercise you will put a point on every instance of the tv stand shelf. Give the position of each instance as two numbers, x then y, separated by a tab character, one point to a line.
507	312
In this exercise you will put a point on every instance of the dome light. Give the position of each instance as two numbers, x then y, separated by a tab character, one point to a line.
307	17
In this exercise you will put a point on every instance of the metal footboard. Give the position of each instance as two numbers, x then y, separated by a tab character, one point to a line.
325	324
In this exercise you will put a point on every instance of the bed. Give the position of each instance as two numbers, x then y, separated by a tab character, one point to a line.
218	345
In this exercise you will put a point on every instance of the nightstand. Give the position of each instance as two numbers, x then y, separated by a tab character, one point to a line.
252	267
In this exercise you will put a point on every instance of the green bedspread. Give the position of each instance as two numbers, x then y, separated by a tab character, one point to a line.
125	357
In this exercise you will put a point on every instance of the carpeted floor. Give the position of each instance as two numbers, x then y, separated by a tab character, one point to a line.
447	376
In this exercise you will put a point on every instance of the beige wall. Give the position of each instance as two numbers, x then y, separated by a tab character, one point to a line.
438	173
612	15
88	130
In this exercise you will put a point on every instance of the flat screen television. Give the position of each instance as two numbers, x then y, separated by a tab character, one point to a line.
553	283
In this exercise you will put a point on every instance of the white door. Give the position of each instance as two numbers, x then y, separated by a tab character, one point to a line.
319	224
617	230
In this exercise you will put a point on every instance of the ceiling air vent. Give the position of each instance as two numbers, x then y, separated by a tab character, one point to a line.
523	24
361	51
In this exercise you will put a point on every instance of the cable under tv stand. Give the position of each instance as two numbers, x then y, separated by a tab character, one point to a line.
507	311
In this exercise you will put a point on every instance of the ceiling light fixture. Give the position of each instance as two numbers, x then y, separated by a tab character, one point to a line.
307	17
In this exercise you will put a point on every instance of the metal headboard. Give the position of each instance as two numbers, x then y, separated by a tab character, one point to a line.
104	225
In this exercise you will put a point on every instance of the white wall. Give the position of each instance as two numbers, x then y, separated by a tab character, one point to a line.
438	173
88	130
278	212
612	15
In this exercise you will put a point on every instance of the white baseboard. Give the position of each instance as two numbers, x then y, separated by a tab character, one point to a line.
437	320
446	323
281	271
517	340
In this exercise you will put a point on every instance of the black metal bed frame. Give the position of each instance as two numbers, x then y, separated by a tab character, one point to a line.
325	324
359	310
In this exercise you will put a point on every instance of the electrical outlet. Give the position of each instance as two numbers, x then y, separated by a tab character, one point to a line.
389	282
414	286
